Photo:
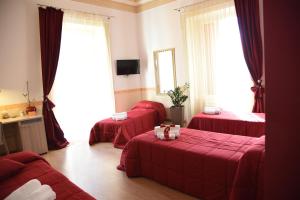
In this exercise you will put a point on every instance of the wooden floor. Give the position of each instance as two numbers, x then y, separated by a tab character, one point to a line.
93	168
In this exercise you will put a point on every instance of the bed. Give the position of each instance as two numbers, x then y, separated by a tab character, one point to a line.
35	167
141	118
204	164
247	124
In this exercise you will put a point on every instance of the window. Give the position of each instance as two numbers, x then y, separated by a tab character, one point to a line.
217	69
83	89
165	75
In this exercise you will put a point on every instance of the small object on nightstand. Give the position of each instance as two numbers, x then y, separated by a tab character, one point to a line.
5	116
30	109
22	113
32	113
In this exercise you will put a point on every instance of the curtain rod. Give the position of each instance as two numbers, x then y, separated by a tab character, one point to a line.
107	16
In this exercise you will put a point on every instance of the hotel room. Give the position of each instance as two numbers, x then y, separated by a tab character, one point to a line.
149	99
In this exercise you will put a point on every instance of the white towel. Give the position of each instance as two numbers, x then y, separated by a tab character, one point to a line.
173	133
119	116
175	130
32	190
44	192
211	110
25	190
162	136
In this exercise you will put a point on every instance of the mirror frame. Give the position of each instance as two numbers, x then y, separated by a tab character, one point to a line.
156	68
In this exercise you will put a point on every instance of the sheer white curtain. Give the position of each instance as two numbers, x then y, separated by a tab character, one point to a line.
83	87
217	70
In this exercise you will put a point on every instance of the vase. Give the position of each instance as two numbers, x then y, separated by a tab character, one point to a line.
30	109
177	115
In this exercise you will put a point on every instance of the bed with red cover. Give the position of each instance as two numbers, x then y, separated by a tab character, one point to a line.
32	166
204	164
248	124
141	118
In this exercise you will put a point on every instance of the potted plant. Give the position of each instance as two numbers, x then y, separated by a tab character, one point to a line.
178	97
30	109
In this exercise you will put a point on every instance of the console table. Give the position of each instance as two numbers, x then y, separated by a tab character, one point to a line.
25	133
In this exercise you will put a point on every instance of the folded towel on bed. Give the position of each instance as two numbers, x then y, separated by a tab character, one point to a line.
119	116
211	110
167	132
43	193
32	190
24	191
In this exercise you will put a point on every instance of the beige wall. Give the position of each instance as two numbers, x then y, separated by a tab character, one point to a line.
20	49
160	28
132	36
125	99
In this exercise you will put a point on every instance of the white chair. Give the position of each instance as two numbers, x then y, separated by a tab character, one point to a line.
2	139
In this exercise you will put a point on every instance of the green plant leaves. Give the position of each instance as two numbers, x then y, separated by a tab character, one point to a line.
177	95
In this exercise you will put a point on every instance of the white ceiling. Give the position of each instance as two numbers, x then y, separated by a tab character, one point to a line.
133	2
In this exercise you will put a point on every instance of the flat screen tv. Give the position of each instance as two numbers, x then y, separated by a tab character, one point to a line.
127	67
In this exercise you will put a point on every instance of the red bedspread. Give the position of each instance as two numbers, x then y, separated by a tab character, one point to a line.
37	168
248	124
141	118
203	164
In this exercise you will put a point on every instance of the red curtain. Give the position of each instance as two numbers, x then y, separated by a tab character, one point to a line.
50	36
249	24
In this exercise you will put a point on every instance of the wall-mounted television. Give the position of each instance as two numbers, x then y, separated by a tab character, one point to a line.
127	67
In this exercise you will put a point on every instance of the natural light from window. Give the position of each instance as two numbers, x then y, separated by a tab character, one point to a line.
218	73
233	80
83	91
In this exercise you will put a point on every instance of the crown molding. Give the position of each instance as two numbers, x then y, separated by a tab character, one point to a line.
140	7
110	4
152	4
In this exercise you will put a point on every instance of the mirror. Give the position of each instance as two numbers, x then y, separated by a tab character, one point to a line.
164	61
